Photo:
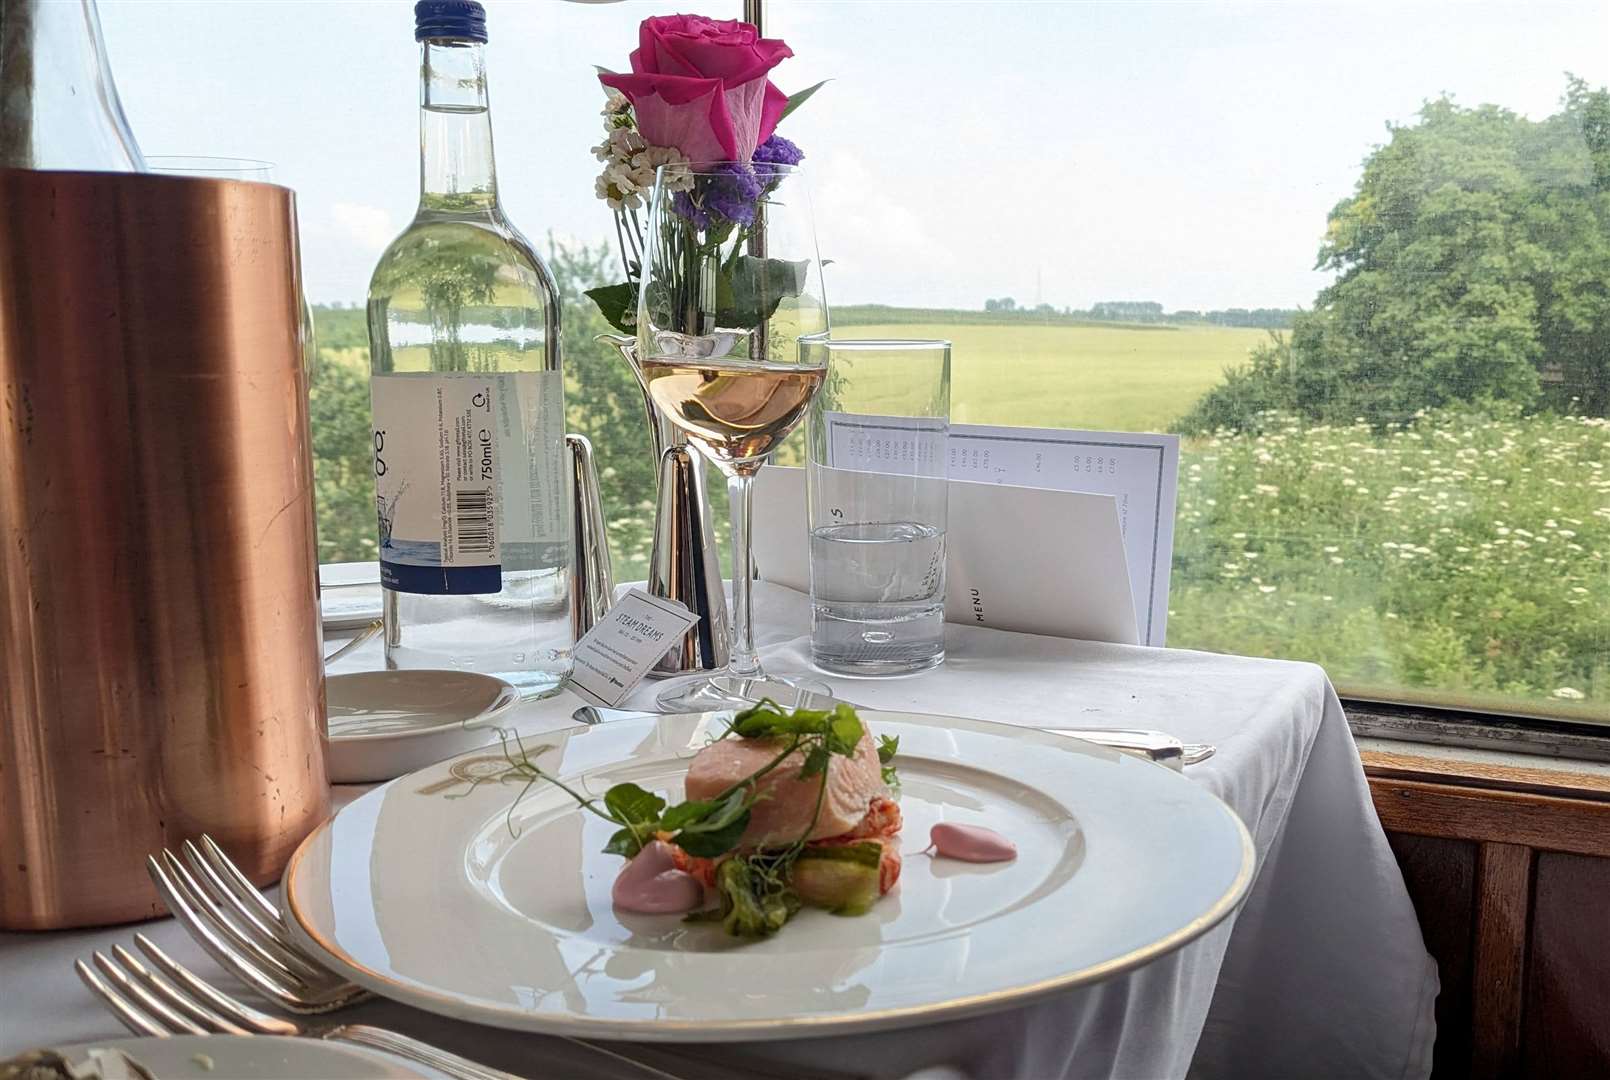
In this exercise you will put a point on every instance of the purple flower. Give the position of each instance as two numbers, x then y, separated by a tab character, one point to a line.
729	191
732	192
771	155
778	151
682	205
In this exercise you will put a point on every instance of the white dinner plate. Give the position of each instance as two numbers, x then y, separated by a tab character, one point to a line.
461	900
256	1057
383	724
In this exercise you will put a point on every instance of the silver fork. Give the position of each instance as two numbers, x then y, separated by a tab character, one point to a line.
177	1002
247	935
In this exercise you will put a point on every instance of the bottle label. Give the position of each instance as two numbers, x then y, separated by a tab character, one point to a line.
466	464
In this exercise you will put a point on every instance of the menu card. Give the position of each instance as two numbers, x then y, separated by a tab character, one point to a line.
1140	470
1016	558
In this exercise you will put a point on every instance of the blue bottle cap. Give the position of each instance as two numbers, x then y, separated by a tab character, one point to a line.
462	20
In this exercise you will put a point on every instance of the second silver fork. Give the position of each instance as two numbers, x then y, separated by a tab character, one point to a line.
177	1002
248	937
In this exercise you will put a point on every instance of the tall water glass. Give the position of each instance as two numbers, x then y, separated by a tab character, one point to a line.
877	492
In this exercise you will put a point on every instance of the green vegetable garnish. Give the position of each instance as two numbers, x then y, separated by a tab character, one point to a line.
759	891
843	878
888	746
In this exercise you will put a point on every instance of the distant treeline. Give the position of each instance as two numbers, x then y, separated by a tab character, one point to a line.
1150	311
884	315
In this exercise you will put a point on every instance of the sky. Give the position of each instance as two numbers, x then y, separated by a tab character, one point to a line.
1069	153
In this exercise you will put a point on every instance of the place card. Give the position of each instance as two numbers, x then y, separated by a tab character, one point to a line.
614	656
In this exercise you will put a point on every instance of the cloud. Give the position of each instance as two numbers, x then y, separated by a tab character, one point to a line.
369	226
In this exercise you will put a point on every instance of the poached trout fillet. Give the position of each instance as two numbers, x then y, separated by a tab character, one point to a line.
786	802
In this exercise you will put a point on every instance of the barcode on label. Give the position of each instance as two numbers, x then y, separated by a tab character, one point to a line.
473	522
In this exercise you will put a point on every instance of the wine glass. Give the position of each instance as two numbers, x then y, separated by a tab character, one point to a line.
731	295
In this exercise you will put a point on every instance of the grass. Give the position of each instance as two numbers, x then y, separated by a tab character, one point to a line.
1080	375
1458	559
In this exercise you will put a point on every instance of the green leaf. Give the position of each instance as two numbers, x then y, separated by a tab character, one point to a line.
623	842
888	747
720	827
815	762
761	720
759	286
724	812
714	841
796	100
631	805
845	731
617	304
686	814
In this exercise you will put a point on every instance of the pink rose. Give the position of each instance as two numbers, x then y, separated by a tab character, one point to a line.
700	85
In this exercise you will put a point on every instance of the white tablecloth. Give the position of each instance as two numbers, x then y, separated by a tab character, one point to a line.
1322	973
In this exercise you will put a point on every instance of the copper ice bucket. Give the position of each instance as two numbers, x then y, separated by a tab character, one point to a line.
160	670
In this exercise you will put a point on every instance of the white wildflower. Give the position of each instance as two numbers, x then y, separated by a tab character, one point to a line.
619	198
1331	549
1569	693
677	175
1267	588
624	142
615	104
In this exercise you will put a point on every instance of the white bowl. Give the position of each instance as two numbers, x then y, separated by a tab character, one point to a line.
387	723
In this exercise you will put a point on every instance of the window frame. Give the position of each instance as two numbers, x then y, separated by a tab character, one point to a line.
1517	731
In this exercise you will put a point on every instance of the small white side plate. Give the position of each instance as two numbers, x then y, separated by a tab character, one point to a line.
256	1057
387	723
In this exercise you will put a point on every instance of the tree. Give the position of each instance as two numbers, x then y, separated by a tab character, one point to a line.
602	401
602	398
343	461
1472	266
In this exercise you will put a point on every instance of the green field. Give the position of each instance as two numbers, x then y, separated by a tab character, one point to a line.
1112	377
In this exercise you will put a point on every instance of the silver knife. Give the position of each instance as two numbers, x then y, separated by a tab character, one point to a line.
1158	746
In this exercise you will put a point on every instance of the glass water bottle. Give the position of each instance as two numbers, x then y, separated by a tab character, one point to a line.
467	389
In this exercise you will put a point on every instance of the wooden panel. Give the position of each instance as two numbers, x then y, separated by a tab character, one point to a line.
1425	808
1503	903
1570	783
1566	1028
1512	888
1441	878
